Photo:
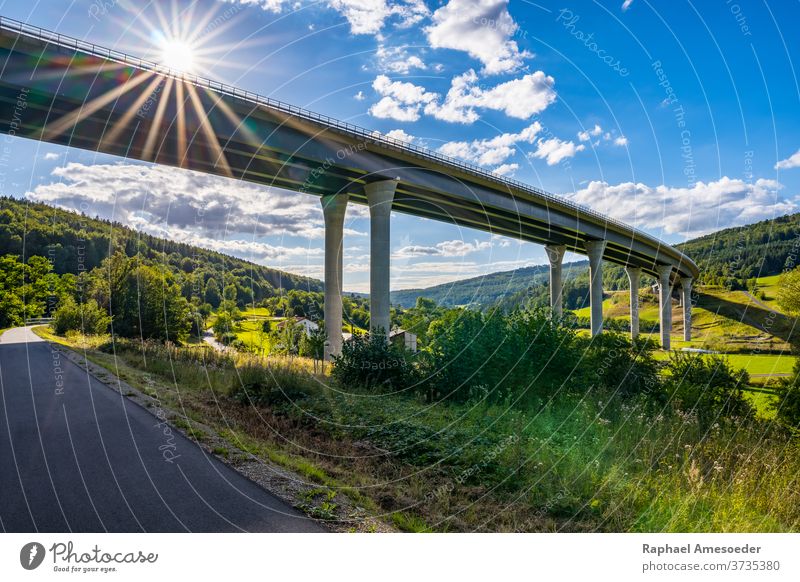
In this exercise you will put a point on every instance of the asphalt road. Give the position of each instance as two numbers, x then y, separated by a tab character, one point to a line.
76	456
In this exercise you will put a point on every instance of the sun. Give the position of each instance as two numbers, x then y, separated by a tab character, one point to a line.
177	55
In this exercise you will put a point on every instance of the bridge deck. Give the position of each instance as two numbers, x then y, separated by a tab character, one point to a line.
64	91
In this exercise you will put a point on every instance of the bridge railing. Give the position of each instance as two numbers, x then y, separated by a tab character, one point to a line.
330	122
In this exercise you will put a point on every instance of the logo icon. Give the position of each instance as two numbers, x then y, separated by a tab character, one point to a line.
31	555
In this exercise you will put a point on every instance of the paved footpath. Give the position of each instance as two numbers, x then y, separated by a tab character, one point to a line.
76	456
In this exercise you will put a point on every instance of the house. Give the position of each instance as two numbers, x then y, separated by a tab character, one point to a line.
307	325
404	338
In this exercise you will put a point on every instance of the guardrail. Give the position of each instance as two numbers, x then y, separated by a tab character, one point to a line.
349	128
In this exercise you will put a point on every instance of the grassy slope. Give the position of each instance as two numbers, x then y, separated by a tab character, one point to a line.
572	466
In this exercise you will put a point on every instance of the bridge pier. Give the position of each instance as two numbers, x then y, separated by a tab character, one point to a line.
379	197
665	304
634	276
686	292
333	209
595	249
555	253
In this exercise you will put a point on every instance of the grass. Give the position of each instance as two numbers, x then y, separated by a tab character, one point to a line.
574	464
722	320
754	363
250	332
763	402
769	285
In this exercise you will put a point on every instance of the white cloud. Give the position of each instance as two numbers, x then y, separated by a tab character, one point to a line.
792	161
50	156
359	96
410	12
154	198
482	28
275	6
428	273
621	141
519	98
590	133
694	211
450	248
400	101
397	60
364	16
506	170
626	5
554	150
401	135
489	152
369	16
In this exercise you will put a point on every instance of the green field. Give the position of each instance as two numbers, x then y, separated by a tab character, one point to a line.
769	285
722	321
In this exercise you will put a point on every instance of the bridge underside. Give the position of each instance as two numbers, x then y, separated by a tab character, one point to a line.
65	96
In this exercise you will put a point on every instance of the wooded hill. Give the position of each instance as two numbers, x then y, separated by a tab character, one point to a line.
728	258
75	242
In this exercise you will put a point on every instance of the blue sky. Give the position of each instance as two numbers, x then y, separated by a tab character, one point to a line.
679	117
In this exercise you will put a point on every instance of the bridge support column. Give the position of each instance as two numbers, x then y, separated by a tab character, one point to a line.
379	197
555	253
333	209
595	249
634	276
665	304
686	293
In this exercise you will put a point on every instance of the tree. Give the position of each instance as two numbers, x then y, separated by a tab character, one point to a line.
27	290
145	301
789	292
87	318
212	295
312	345
223	325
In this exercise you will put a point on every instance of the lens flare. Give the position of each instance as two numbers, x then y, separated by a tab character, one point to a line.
177	55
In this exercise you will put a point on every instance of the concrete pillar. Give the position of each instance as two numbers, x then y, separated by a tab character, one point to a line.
379	197
556	255
665	304
686	293
333	209
634	276
594	249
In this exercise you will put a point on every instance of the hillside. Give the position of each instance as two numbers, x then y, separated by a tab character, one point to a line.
75	243
477	290
727	258
746	252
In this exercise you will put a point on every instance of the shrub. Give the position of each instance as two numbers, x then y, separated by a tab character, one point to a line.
466	357
541	356
87	318
270	385
369	361
621	367
223	325
788	405
708	386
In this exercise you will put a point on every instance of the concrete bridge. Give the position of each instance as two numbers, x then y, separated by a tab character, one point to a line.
65	91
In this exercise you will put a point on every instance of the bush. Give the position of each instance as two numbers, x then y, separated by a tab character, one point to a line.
622	368
271	385
788	405
369	361
467	356
87	318
223	325
708	387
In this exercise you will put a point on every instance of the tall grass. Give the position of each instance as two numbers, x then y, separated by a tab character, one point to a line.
576	463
